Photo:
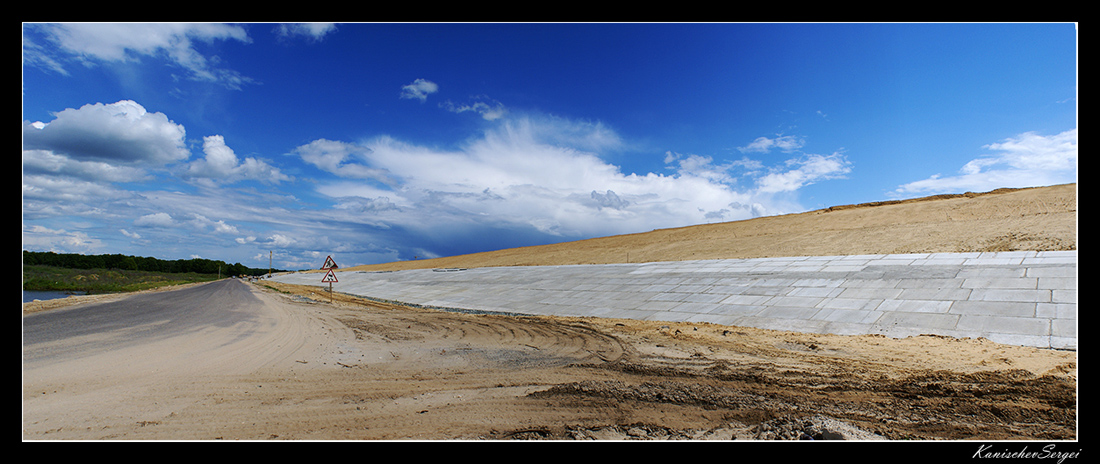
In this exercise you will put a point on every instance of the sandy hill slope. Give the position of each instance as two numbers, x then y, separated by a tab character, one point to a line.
1039	219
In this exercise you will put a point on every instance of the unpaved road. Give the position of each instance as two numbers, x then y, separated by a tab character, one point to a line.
240	361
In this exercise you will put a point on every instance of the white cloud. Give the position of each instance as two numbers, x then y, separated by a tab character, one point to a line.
1026	160
120	142
340	158
581	135
312	31
489	110
785	143
40	238
121	133
419	90
700	166
92	43
221	163
200	222
280	240
48	163
220	160
222	228
1031	151
38	56
804	171
155	220
47	195
609	199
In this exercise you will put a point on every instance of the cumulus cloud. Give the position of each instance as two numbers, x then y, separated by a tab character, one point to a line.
1026	160
72	163
121	133
93	43
155	220
123	142
221	164
609	199
419	90
280	240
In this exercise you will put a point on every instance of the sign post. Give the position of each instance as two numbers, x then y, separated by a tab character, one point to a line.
330	276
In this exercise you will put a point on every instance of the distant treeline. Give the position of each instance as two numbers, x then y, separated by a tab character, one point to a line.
137	263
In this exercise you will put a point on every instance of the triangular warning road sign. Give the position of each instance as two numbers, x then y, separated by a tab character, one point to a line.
329	263
330	277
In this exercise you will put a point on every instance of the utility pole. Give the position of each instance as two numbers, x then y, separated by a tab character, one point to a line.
270	256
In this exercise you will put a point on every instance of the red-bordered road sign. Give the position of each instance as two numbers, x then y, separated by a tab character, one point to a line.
329	264
330	277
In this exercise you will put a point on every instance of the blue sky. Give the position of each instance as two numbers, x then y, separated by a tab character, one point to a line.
382	142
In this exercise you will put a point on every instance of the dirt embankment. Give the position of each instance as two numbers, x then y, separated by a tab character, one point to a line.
1034	219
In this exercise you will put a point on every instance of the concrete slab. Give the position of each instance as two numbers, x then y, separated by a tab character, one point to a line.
1024	298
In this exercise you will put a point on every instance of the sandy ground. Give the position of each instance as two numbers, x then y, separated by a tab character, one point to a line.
350	369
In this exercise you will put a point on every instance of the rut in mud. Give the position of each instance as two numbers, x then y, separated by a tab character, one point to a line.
769	403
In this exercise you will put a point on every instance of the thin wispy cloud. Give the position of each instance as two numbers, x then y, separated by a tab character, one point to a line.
489	110
804	170
91	44
1026	160
419	90
311	31
59	240
784	143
